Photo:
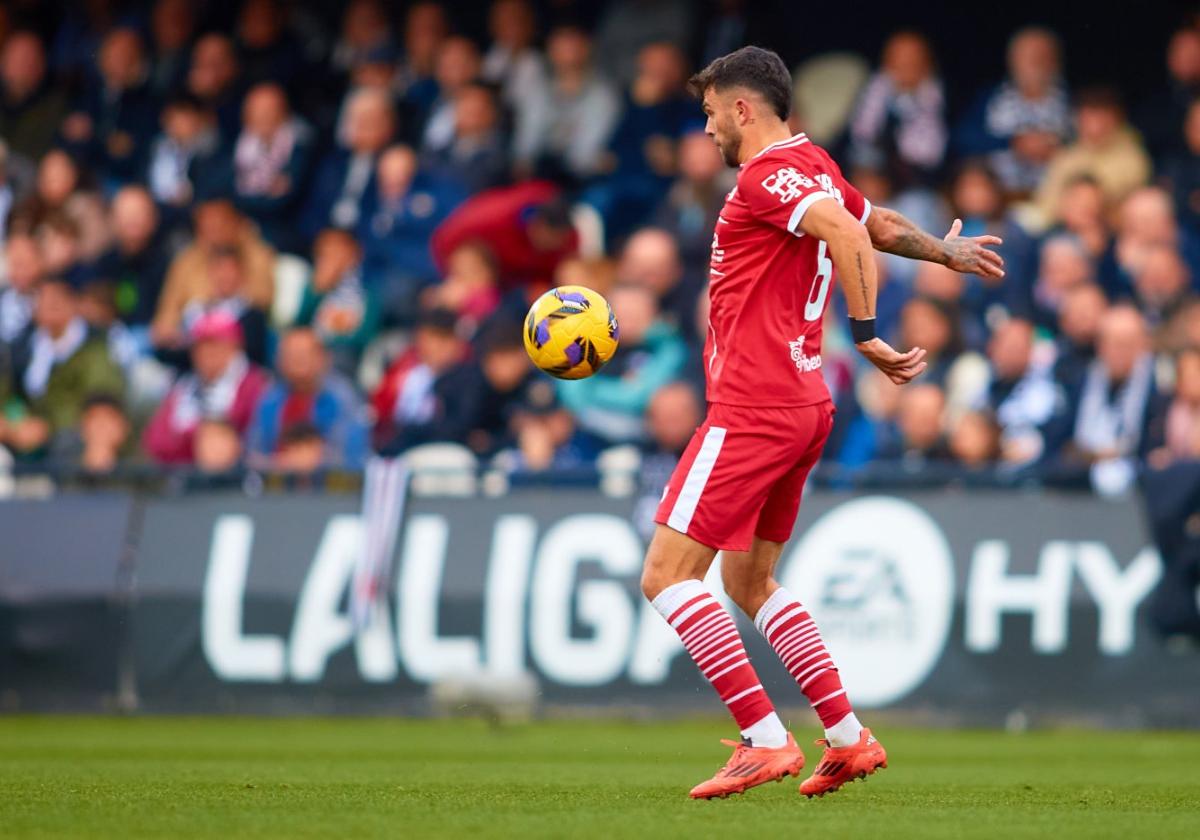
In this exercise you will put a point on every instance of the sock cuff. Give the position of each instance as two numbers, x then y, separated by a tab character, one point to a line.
780	600
676	595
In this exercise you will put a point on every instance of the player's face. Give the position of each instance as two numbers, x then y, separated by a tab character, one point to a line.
722	126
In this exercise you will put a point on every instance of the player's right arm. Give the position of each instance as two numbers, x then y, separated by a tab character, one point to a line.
893	233
851	249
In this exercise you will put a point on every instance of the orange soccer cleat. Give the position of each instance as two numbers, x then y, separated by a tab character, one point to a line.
845	764
750	766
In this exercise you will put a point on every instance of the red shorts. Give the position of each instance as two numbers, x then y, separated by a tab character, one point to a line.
743	472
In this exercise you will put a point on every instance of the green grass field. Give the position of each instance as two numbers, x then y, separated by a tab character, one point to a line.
244	777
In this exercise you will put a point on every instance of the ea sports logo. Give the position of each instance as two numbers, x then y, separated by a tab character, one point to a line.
878	577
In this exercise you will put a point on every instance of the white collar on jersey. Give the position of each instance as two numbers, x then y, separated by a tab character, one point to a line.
795	140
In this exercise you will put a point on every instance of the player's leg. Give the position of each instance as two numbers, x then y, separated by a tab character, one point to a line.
791	631
675	566
672	581
706	507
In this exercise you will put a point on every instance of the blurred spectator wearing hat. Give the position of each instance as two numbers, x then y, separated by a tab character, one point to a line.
31	105
115	115
230	294
60	363
219	228
271	160
1106	148
339	306
1021	122
222	387
307	394
527	226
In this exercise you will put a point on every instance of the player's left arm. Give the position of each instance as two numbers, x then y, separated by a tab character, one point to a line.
853	256
893	233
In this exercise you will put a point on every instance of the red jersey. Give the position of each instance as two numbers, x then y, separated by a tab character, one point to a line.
769	283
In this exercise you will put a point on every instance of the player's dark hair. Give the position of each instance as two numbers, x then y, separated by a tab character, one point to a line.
754	68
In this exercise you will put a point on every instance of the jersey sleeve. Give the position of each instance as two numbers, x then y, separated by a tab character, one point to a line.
780	193
855	202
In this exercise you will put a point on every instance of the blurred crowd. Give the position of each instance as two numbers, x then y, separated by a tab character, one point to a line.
281	236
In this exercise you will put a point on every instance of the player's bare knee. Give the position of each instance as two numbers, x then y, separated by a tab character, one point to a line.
652	581
749	593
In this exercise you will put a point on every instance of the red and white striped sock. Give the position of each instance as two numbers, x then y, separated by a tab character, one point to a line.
709	634
795	637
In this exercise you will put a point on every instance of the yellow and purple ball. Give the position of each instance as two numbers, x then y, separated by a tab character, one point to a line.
571	332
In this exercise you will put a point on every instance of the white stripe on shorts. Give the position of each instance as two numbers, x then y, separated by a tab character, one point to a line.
697	477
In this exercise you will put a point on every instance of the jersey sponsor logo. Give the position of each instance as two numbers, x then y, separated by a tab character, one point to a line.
878	577
826	183
788	184
804	362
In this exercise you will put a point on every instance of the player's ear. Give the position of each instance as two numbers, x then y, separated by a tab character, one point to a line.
742	109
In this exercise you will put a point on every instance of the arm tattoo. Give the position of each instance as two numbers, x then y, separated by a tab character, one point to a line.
905	239
862	284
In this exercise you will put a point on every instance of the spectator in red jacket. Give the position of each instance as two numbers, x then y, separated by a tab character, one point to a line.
527	226
223	387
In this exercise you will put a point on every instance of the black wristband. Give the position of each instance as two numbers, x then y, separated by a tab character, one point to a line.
862	330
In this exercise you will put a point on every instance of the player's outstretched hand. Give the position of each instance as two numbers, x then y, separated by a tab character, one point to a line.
899	367
970	254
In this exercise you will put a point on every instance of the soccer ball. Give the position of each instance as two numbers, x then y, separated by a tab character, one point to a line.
571	332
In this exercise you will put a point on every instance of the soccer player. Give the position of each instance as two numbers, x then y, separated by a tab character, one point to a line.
789	224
